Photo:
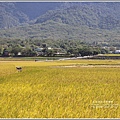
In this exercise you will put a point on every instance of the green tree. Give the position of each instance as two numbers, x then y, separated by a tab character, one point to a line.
28	52
16	49
1	50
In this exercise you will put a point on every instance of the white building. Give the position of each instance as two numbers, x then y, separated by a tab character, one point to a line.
117	51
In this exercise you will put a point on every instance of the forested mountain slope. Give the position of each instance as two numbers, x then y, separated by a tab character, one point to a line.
10	16
85	21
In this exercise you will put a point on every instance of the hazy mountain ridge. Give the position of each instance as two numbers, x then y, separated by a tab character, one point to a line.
36	9
10	16
96	15
88	21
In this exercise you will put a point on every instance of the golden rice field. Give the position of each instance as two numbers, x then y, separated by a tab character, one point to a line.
60	89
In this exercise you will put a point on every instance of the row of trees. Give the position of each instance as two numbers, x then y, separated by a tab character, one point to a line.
16	51
40	48
87	51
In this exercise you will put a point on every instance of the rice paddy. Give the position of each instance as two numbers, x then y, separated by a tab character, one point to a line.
60	89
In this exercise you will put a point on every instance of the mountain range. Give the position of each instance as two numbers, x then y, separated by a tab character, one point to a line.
10	16
87	21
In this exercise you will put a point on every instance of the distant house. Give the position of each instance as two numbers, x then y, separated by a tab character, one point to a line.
5	53
117	51
59	54
110	52
39	49
19	54
49	48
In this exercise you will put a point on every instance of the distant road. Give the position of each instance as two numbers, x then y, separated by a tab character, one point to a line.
73	58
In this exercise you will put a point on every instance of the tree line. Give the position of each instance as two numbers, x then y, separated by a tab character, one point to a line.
31	48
